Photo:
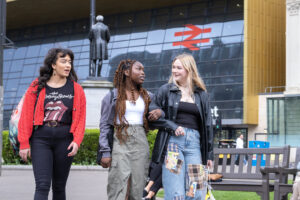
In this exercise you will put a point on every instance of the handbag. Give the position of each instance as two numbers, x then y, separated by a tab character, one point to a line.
211	177
110	137
14	122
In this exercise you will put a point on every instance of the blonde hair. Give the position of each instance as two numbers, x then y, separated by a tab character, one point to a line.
189	64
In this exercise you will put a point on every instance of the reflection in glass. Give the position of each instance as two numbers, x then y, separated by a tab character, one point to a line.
8	54
29	70
122	34
138	42
11	85
33	51
6	66
17	65
20	52
216	30
155	37
233	27
231	39
117	55
120	44
139	32
45	48
170	34
14	75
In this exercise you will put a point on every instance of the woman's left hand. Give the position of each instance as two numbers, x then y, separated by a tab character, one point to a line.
154	115
74	148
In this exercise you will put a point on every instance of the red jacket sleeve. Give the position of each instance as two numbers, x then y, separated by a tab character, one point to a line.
80	128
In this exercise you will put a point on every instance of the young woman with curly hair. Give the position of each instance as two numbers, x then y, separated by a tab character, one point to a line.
52	123
125	111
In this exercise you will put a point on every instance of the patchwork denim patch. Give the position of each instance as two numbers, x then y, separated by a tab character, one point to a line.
173	163
197	176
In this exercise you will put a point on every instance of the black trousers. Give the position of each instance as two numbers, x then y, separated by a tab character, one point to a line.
50	161
156	176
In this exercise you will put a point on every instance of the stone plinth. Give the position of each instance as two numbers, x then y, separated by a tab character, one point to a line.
94	90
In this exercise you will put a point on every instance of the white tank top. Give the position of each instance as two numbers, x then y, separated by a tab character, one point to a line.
134	112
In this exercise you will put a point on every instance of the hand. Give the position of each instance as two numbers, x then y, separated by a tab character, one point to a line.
24	153
105	162
209	163
154	115
179	131
74	148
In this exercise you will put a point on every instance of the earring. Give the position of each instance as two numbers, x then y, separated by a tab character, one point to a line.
54	73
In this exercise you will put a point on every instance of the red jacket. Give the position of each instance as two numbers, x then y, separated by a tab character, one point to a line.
26	122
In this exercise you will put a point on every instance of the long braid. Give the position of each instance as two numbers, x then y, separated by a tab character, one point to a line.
120	109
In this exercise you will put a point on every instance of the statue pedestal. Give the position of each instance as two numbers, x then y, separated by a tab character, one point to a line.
94	90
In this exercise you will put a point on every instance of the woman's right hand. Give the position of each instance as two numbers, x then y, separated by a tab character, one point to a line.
24	153
105	162
179	131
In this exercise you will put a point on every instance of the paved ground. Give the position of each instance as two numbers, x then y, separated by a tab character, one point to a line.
18	184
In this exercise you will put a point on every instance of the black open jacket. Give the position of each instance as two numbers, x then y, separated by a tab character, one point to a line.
167	98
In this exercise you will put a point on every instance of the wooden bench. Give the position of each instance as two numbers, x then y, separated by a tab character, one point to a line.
248	177
281	187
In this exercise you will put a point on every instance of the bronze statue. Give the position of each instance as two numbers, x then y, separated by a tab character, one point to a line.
99	37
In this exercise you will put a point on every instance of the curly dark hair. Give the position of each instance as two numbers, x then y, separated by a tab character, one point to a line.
120	109
46	70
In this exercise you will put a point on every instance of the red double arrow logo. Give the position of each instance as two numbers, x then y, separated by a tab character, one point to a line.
189	42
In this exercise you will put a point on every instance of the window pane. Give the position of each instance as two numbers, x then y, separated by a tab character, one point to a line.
45	48
17	65
29	70
8	54
156	36
20	52
122	34
233	27
11	85
139	32
33	51
6	66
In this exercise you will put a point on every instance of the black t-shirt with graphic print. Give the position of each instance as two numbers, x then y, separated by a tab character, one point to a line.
59	103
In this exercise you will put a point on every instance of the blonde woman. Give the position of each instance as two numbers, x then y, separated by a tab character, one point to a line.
187	121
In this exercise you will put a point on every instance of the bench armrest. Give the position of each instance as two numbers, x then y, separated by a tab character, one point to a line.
268	170
287	171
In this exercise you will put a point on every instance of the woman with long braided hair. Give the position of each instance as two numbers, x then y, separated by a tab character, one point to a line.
125	111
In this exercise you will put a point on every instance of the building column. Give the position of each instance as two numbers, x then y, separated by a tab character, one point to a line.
292	47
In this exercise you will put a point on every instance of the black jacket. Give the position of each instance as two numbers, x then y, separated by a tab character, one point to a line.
167	98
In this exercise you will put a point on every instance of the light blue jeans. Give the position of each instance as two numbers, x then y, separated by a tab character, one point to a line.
181	176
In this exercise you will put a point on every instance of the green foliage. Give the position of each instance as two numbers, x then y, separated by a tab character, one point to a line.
87	152
9	157
151	139
88	149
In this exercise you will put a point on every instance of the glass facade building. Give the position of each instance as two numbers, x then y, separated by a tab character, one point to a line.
213	32
283	120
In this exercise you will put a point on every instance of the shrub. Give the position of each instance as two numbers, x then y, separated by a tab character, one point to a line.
85	156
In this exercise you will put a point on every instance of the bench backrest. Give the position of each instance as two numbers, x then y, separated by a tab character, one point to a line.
278	156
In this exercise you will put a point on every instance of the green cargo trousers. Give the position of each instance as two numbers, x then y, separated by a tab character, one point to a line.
130	163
